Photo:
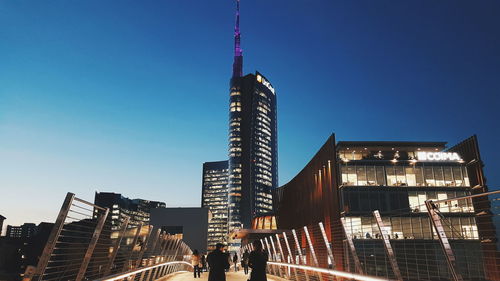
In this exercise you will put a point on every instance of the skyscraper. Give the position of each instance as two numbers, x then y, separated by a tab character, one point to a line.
214	197
253	156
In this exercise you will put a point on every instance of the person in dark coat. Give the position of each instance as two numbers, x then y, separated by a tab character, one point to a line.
244	261
257	262
218	263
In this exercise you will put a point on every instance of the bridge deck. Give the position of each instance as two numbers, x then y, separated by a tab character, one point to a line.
230	276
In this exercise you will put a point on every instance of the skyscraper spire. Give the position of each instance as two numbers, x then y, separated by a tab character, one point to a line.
238	53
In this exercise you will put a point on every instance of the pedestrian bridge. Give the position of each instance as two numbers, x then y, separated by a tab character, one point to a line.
83	246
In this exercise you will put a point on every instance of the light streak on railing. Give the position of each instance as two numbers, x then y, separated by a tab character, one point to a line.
329	271
120	276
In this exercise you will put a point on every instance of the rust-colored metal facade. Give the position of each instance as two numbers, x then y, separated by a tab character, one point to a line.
312	197
469	150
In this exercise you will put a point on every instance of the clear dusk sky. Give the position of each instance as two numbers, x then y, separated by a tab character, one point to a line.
132	96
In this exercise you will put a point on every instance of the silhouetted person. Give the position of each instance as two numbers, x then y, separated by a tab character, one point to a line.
218	262
195	261
257	262
235	261
203	263
244	261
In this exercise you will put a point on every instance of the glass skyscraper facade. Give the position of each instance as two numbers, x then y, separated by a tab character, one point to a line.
252	149
214	197
253	144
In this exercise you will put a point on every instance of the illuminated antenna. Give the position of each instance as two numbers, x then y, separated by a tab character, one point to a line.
238	53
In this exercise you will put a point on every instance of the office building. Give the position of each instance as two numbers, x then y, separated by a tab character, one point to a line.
2	218
345	182
18	252
27	230
120	207
188	224
214	197
253	147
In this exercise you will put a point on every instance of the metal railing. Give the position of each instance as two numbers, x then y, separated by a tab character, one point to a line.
152	272
439	237
84	246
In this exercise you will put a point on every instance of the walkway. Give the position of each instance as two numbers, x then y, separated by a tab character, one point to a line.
230	276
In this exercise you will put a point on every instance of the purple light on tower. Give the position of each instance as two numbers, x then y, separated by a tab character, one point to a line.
238	53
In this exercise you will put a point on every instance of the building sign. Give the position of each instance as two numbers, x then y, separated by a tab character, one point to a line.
438	156
266	83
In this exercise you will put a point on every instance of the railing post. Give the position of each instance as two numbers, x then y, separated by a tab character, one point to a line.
116	247
327	244
92	244
141	278
270	254
136	237
282	256
355	257
438	227
387	245
313	253
275	254
151	250
299	249
54	236
144	246
290	255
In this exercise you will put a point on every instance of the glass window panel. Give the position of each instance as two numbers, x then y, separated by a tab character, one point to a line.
406	226
429	176
356	227
466	176
361	173
413	199
411	180
419	176
391	176
470	207
446	222
457	176
366	199
442	206
448	176
462	205
400	176
456	228
354	201
438	176
422	196
397	230
380	175
417	229
426	228
366	226
344	175
352	179
454	206
370	175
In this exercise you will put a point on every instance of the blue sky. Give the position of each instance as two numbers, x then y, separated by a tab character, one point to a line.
132	96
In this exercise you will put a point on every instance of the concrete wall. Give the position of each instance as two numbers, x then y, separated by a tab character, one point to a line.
194	222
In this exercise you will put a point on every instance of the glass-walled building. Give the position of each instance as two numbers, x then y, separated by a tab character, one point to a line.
346	181
253	152
214	197
120	207
253	145
397	178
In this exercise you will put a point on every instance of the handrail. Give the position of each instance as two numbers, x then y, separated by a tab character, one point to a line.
120	276
336	273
